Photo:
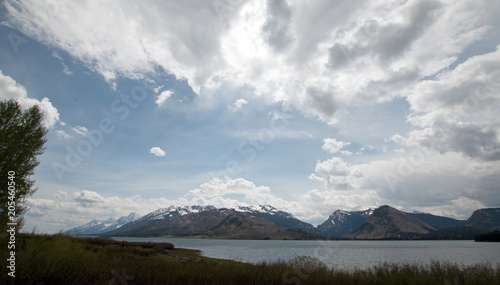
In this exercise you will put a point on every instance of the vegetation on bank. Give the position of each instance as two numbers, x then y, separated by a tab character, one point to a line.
491	236
63	259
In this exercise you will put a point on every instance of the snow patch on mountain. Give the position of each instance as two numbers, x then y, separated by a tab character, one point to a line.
96	227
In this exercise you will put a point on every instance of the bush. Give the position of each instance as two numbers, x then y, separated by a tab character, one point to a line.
492	236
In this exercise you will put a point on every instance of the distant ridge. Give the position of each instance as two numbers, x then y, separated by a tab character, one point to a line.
270	213
438	221
488	218
162	214
342	223
384	222
388	223
281	218
96	227
217	223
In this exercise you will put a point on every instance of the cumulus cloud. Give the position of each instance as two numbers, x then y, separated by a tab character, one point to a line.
65	212
457	112
131	40
419	181
321	59
162	98
81	130
319	204
85	205
386	40
423	179
63	135
219	187
9	89
238	104
337	174
276	29
86	196
358	53
333	145
157	151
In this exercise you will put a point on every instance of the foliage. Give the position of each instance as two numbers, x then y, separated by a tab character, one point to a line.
22	139
491	236
63	259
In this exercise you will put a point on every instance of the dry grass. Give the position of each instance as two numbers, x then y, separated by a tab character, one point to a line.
63	259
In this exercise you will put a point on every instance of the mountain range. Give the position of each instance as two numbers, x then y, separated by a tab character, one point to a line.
386	222
341	222
96	227
267	222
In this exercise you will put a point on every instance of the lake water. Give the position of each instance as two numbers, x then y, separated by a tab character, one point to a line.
342	254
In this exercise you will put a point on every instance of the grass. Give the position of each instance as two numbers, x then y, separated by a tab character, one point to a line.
63	259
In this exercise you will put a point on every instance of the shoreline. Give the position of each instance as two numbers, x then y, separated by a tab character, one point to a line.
64	259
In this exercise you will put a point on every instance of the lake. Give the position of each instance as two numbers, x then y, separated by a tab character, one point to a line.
341	254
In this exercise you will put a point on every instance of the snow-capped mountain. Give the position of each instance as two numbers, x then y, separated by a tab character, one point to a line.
339	224
173	212
343	222
218	223
281	218
163	214
264	209
270	213
96	227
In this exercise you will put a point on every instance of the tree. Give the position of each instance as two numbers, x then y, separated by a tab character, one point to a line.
22	139
490	237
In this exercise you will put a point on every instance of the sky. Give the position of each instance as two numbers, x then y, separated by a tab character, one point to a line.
308	106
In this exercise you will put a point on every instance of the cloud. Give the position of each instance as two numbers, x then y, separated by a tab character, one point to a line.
63	135
66	70
386	41
85	205
317	204
238	104
9	89
333	146
86	196
133	39
420	183
82	131
458	111
322	59
307	134
65	212
337	174
157	151
276	29
448	184
162	98
218	187
358	53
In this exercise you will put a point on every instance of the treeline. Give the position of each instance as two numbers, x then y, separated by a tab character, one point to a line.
492	236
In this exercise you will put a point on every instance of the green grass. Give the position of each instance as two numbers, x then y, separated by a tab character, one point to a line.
63	259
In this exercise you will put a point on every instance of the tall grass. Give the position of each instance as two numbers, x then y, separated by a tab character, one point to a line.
67	260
